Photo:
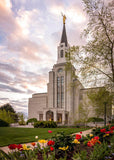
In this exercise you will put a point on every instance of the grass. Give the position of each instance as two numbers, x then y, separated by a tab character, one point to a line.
23	135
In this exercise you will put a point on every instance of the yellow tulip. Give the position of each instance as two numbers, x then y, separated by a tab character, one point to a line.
76	141
63	148
25	147
91	135
42	141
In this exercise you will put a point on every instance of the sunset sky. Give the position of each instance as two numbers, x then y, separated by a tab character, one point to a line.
30	31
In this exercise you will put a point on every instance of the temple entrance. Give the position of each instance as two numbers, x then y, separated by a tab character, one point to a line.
59	118
49	116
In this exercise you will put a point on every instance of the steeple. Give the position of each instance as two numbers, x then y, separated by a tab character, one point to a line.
64	37
63	46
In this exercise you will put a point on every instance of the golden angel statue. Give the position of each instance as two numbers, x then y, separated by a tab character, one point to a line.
64	18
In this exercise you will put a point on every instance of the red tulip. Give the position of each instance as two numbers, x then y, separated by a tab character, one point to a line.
97	138
103	130
50	143
20	147
78	136
89	144
51	148
12	146
112	128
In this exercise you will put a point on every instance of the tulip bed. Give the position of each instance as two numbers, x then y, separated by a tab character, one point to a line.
99	145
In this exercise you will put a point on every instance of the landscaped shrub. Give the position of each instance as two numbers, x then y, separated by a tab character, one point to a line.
32	120
3	123
95	119
45	124
21	123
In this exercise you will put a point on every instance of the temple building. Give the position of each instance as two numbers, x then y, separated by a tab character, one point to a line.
61	102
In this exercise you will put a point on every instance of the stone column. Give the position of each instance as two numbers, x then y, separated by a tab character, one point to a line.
44	116
55	116
63	118
38	117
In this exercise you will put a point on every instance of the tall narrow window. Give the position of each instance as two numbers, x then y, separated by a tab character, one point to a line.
60	91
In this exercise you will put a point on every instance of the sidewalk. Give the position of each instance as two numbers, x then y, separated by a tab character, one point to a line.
84	132
6	149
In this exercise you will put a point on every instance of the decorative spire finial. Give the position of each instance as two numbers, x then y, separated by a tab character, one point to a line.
64	18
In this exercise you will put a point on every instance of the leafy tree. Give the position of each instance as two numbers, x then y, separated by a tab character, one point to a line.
95	60
3	123
8	108
31	120
6	116
83	112
98	98
21	118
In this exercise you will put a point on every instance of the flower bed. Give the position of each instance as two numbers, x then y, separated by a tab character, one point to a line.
94	146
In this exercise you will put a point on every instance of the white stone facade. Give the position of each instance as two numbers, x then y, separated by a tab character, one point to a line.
61	101
64	94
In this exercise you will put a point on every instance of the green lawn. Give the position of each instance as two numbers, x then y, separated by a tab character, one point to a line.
22	135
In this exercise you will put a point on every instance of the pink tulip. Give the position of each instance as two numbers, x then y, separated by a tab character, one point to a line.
49	131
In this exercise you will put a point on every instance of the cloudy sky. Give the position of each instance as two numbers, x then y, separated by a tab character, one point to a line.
30	31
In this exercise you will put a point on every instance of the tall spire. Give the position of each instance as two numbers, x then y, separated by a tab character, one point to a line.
64	37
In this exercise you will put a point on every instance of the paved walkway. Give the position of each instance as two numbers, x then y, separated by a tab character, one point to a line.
6	149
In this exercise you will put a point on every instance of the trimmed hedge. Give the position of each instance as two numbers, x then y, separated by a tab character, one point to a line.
32	120
95	119
45	124
3	123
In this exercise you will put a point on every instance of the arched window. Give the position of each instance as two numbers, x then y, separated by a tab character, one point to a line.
60	70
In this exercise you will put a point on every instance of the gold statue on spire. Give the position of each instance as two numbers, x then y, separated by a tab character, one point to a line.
64	18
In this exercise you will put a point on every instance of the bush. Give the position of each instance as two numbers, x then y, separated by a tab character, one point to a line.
45	124
21	123
95	119
32	120
3	123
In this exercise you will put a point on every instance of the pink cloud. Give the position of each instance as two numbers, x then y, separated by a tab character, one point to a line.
7	20
17	41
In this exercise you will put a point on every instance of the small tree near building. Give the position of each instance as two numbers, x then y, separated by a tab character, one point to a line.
98	98
83	112
21	118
